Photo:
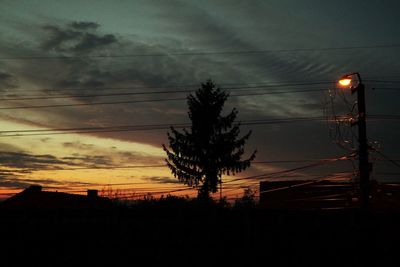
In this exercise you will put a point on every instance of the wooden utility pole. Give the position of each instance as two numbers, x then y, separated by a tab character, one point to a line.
363	162
220	190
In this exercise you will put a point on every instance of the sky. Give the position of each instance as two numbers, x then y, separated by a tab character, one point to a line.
279	60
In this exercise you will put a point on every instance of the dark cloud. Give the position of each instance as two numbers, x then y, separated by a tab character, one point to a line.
17	165
95	156
58	37
162	180
5	76
7	81
14	182
10	148
109	160
90	74
88	160
76	38
45	140
28	161
82	25
89	83
78	145
136	158
90	41
21	182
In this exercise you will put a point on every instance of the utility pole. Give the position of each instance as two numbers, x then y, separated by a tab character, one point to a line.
220	189
363	163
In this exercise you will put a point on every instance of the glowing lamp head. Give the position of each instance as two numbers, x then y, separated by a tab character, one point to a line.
351	81
345	82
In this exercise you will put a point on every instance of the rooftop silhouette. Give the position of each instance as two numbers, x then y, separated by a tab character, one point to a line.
35	198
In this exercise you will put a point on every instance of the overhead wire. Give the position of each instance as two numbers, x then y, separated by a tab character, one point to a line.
150	127
55	92
94	104
255	178
152	166
394	162
322	178
157	92
227	86
203	53
165	166
137	101
33	132
142	100
312	165
381	81
394	89
258	176
137	193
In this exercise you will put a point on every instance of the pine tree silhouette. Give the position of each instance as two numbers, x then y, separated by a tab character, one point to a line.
212	147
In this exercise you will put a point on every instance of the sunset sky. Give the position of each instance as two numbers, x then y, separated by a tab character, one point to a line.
70	64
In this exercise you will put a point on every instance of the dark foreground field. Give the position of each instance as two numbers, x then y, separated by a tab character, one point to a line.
188	234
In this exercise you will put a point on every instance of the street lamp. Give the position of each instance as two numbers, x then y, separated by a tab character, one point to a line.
345	82
353	82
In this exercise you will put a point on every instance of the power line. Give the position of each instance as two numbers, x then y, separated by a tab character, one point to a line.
109	167
393	89
290	161
230	86
319	163
244	179
142	192
94	131
138	101
291	186
227	86
151	127
159	92
87	185
388	173
383	117
101	128
165	166
381	81
144	127
321	178
94	104
394	162
315	164
172	191
135	101
204	53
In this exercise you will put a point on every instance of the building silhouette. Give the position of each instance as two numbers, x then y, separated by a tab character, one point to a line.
306	194
35	198
325	194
